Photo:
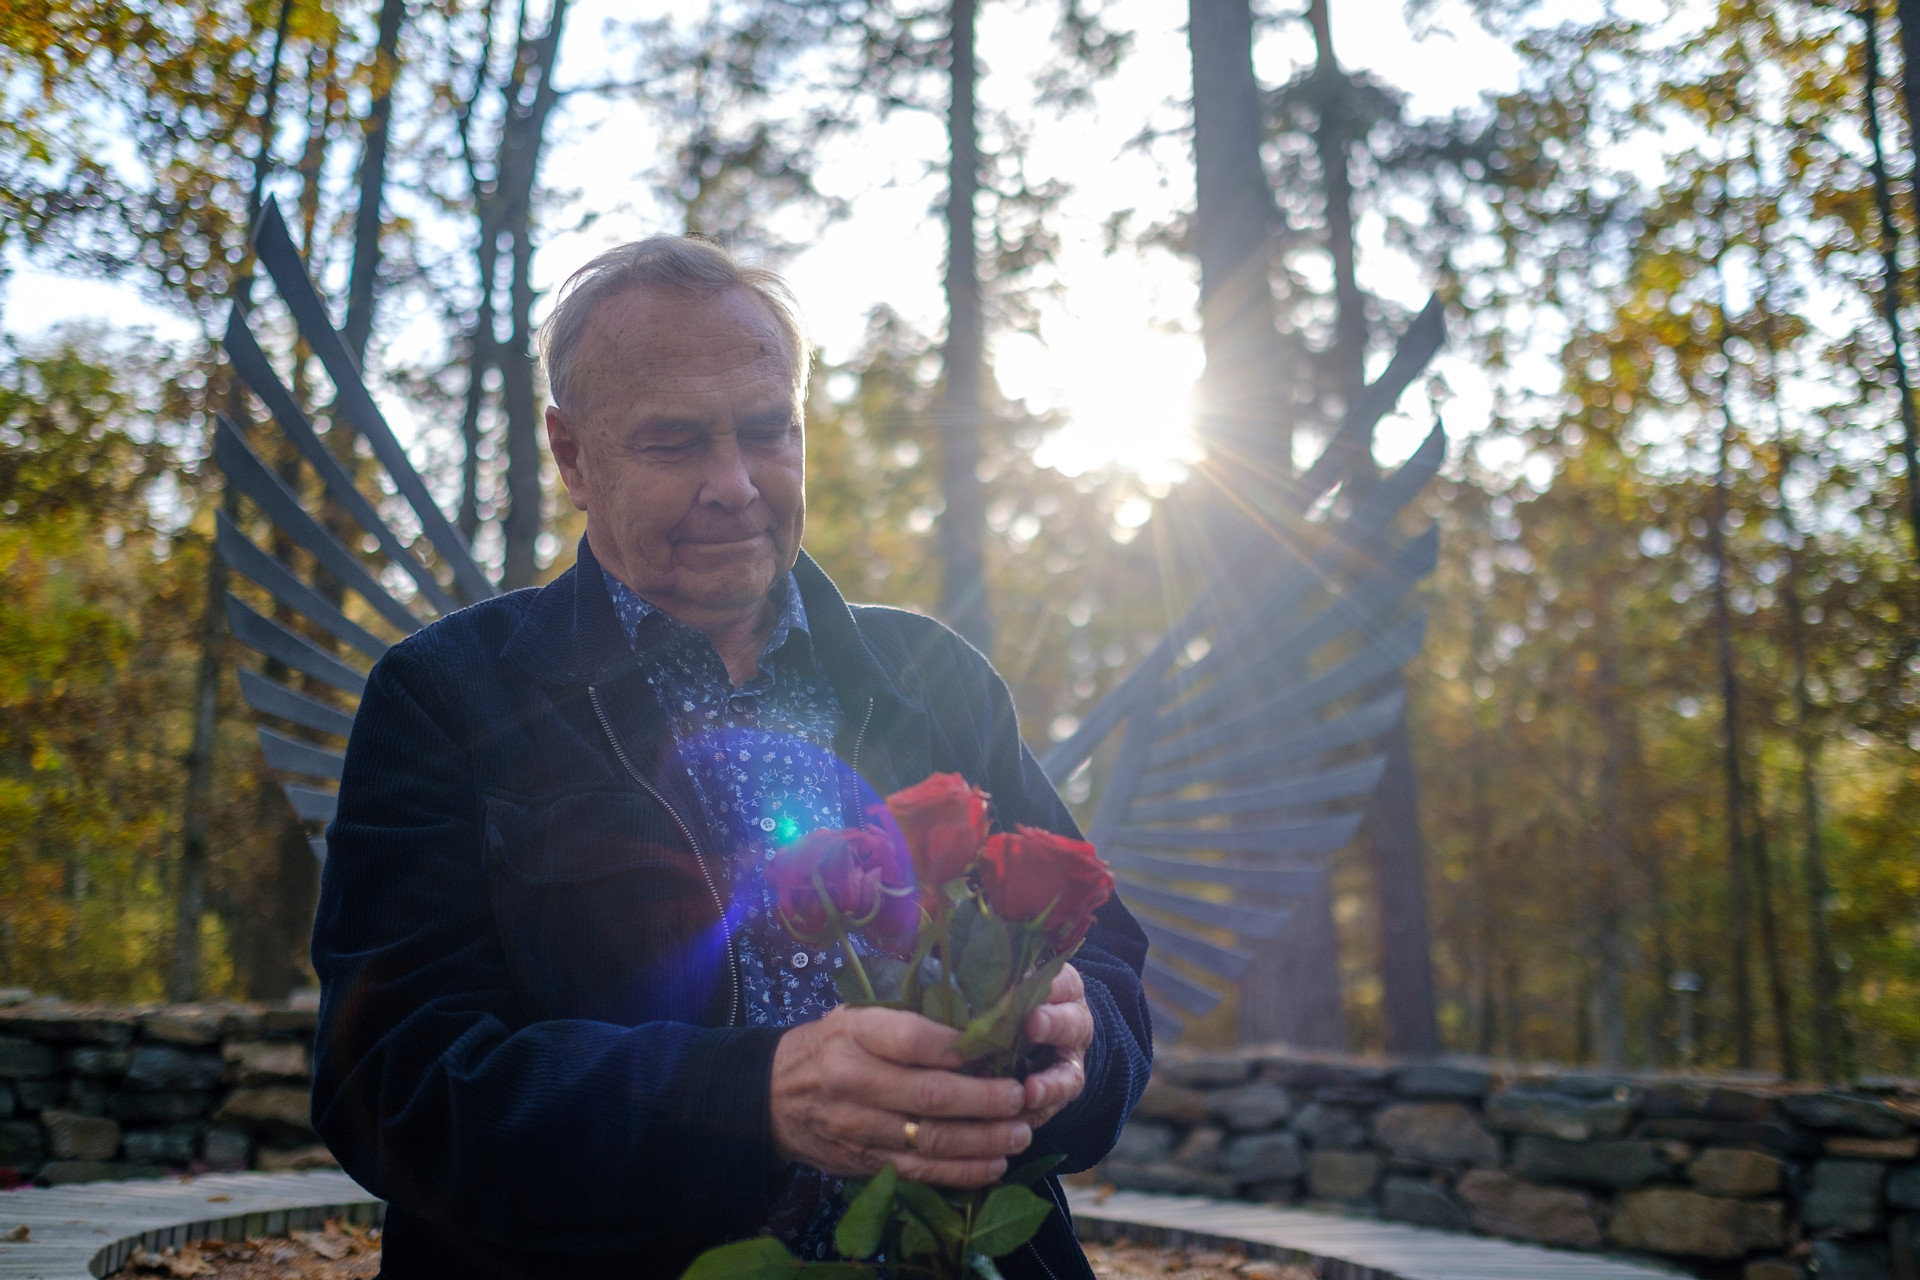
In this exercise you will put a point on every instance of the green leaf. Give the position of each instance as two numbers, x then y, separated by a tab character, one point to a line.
847	983
1032	1171
983	1267
985	957
917	1239
1008	1220
991	1032
858	1235
761	1258
886	974
916	964
1032	991
930	1207
942	1003
995	1030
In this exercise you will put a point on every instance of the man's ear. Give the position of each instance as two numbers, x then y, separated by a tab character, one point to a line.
565	447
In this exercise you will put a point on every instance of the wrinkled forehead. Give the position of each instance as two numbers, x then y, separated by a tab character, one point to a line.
657	349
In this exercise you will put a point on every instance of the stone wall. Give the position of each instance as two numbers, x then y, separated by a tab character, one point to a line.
88	1093
1721	1178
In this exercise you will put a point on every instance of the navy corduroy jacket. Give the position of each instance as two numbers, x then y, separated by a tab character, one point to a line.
528	1041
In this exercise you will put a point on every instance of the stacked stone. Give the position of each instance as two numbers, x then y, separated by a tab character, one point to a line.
89	1093
1723	1178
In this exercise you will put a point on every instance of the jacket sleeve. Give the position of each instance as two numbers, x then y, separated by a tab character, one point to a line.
1109	960
429	1086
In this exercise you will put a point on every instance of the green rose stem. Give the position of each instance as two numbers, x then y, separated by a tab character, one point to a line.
949	979
838	923
859	970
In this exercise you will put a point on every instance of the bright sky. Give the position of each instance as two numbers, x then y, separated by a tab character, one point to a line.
1117	349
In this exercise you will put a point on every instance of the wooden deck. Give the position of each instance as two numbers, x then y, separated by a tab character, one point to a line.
90	1228
1339	1248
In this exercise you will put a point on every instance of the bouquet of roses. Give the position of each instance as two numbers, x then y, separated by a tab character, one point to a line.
968	929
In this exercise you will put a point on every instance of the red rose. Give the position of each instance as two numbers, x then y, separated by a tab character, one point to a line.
868	879
944	821
1030	874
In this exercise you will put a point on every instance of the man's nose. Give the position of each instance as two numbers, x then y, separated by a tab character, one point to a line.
728	485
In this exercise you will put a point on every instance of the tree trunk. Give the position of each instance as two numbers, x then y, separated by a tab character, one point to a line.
1399	877
1890	289
1908	12
183	978
1660	1007
479	360
1737	907
1345	360
371	182
190	890
508	211
963	585
1393	823
1813	864
1291	994
1242	417
1486	935
525	494
1615	862
1778	996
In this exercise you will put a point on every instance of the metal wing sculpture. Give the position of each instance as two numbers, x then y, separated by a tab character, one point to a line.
415	566
1238	774
1251	740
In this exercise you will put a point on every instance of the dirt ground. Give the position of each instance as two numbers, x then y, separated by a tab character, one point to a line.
1141	1262
336	1252
340	1252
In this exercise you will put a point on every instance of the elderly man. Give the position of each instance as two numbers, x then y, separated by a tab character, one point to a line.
560	1031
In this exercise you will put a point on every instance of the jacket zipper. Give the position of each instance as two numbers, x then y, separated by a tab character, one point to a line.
861	737
1053	1194
706	872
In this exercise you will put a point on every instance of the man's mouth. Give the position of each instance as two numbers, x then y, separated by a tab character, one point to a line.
721	544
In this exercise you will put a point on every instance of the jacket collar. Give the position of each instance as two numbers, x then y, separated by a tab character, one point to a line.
570	635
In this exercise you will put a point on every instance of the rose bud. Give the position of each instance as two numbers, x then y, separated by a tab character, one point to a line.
892	921
944	820
867	877
790	876
1030	873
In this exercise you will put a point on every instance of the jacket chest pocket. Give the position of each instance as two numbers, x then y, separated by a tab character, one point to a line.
602	908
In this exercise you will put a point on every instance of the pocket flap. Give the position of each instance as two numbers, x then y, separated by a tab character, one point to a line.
583	836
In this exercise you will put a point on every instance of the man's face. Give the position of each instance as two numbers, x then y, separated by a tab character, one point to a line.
684	444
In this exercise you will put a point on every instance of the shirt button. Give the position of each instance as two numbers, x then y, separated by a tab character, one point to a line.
740	703
799	959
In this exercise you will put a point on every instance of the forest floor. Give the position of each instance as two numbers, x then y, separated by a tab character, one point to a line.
339	1252
335	1252
1145	1262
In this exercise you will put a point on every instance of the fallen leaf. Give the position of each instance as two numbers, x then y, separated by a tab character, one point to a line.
183	1263
218	1199
18	1235
327	1246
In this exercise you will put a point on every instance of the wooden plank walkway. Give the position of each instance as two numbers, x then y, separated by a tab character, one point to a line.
90	1228
1339	1248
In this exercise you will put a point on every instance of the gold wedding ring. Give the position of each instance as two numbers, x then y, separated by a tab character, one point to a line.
913	1135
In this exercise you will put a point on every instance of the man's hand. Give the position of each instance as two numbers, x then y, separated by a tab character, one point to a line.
1066	1023
845	1088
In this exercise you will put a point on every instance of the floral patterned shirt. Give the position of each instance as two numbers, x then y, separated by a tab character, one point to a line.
761	760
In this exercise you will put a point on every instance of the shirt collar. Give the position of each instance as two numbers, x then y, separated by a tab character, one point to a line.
634	610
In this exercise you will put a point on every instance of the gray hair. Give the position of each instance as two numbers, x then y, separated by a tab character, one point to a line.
691	264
